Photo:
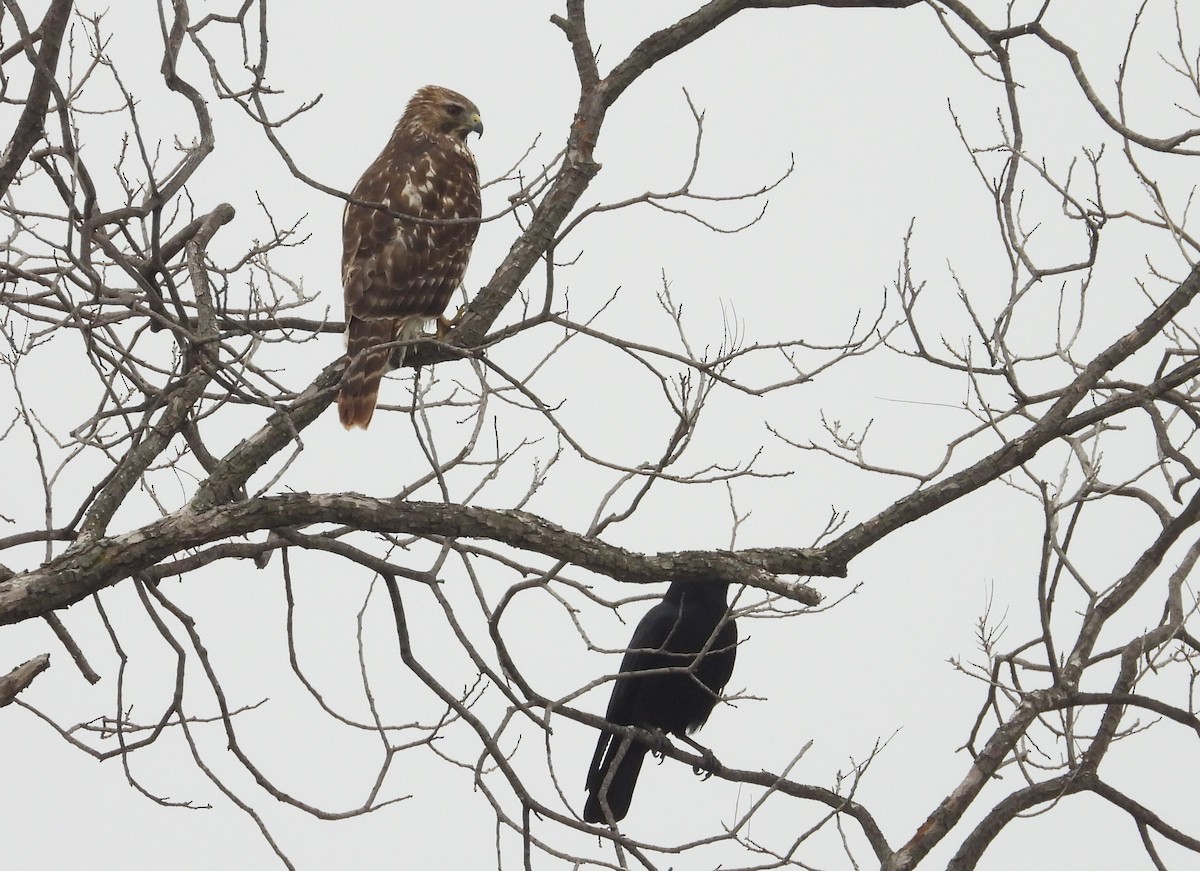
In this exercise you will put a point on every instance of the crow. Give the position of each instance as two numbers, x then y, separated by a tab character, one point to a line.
690	642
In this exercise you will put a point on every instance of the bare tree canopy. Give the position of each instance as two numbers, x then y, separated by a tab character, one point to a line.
877	315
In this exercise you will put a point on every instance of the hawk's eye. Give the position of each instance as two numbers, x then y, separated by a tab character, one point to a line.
454	110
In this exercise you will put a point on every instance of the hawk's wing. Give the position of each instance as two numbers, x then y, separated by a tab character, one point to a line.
392	268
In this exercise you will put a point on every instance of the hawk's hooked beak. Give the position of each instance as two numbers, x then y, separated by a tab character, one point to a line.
477	125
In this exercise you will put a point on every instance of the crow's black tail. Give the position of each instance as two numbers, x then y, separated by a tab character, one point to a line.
624	774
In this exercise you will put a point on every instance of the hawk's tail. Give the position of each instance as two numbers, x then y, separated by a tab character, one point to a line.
359	390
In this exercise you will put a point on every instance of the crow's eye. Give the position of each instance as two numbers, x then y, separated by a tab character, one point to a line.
454	110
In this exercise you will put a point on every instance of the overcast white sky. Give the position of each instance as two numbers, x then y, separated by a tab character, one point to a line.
862	100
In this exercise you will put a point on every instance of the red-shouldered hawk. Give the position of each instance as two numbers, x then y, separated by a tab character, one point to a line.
398	274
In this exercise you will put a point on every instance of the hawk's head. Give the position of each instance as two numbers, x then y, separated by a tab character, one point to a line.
440	111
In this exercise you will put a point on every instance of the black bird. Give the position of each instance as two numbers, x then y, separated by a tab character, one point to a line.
687	632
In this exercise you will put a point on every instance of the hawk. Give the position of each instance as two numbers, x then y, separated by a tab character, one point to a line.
397	274
678	661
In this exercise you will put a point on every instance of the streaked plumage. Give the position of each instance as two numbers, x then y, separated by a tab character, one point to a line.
398	274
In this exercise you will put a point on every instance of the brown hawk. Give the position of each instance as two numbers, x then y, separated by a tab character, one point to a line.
398	274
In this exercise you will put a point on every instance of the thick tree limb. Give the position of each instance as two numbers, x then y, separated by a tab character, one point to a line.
31	124
282	427
87	568
20	677
180	398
